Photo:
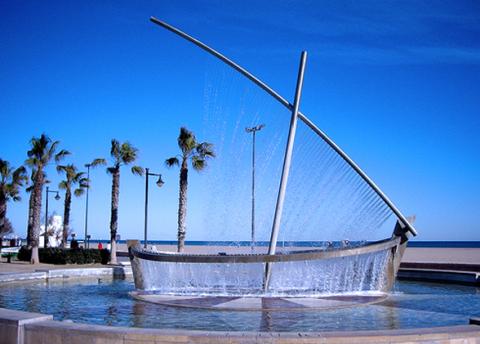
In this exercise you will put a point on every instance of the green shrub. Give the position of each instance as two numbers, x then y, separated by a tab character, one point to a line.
24	254
55	255
105	256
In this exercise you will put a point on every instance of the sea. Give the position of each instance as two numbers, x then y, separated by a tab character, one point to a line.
415	243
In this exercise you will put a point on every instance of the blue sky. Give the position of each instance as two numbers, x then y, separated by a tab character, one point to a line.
395	84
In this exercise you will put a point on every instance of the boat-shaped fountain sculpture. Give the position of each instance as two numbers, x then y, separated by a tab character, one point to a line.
369	266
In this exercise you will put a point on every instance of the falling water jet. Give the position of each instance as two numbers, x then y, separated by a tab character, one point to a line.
303	272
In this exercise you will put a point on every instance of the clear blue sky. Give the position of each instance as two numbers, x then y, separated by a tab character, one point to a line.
395	84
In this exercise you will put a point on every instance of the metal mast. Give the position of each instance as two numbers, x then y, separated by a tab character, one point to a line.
286	167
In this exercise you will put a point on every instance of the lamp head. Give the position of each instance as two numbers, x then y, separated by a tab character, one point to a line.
160	182
254	129
57	197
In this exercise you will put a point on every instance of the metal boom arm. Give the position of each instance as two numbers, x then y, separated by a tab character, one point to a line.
290	107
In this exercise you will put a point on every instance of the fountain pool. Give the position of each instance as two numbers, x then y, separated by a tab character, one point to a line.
107	302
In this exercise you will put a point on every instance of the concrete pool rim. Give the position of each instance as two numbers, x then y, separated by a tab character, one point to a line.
27	327
34	328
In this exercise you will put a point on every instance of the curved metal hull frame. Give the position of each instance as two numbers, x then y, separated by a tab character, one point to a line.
136	251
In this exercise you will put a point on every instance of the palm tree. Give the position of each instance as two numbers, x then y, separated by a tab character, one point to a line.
11	180
93	164
122	154
42	152
198	154
73	178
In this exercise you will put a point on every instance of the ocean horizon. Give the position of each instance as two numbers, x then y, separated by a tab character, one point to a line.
425	244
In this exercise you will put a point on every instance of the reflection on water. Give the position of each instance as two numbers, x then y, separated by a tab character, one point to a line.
106	302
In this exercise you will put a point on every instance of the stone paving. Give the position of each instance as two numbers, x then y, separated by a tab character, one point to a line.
17	266
21	267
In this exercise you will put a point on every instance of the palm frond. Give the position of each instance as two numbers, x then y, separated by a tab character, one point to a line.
6	228
111	170
73	177
69	170
77	177
19	176
128	153
205	149
4	168
79	192
31	162
198	163
11	180
84	183
38	147
63	185
50	153
61	155
115	150
97	162
138	170
186	141
5	172
170	162
10	191
30	152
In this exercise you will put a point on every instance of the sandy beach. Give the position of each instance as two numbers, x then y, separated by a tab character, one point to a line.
412	254
442	255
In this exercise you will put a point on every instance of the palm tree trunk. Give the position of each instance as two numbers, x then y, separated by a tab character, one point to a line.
182	206
3	212
37	207
66	217
114	215
3	216
30	220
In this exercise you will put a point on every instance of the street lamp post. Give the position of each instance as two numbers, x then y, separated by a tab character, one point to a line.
87	237
159	184
93	164
57	197
253	130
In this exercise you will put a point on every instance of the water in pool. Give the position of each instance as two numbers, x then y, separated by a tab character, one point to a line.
107	302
